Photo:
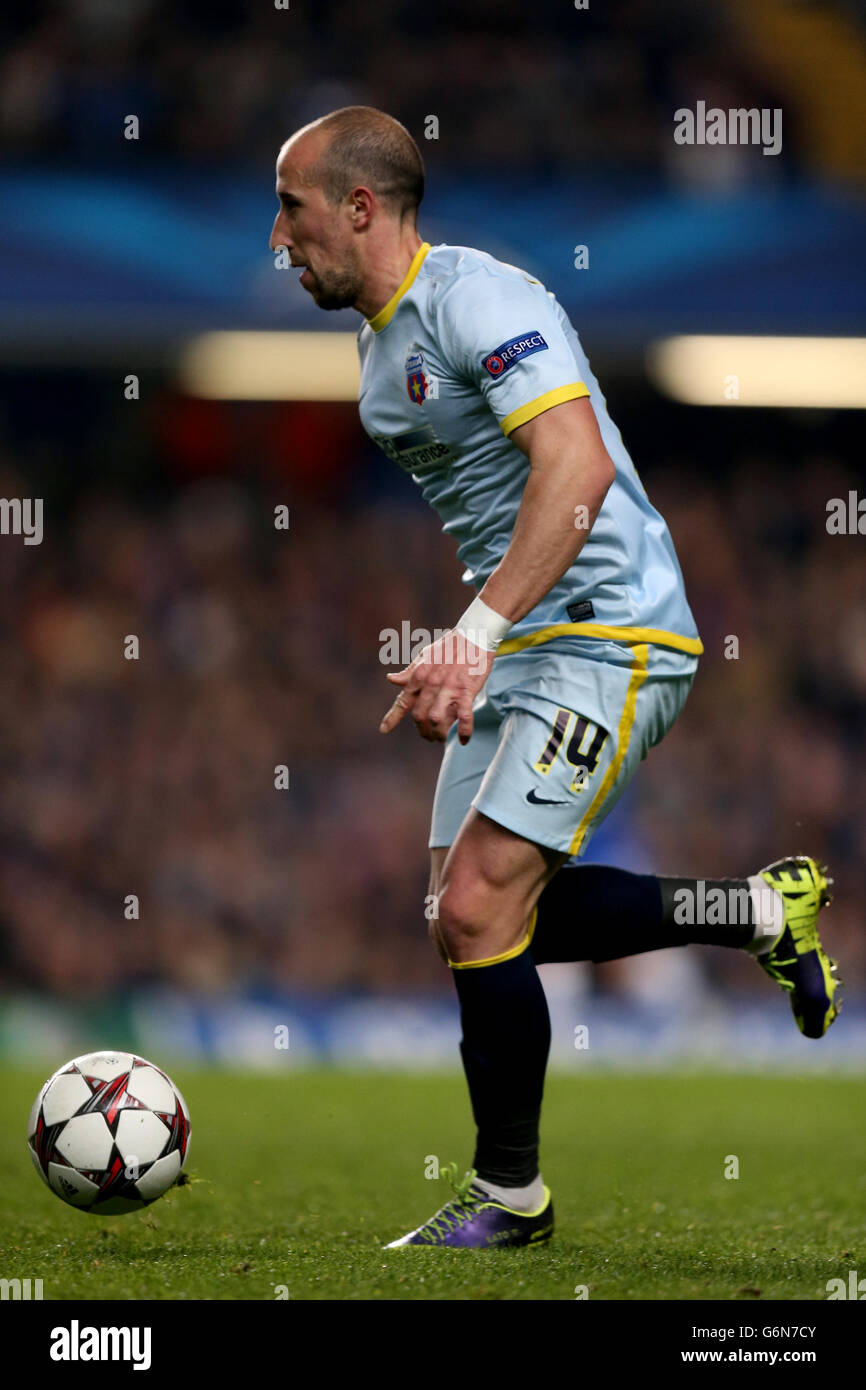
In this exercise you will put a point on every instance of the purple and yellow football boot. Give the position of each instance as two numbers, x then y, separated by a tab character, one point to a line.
473	1220
797	960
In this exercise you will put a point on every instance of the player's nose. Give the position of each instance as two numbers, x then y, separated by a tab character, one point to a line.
279	235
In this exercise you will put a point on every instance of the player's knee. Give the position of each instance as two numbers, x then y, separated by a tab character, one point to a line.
463	919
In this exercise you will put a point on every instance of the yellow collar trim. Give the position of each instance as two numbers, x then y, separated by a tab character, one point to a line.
378	321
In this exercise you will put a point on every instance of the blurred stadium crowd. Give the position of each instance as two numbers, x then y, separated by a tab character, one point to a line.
261	647
221	81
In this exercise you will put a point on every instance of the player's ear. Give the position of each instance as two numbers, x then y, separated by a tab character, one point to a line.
362	202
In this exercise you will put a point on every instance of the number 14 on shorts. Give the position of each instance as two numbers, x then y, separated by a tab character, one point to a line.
582	740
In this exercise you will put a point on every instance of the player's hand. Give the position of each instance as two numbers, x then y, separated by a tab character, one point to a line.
440	686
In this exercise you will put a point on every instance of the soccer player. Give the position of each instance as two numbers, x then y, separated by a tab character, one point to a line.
573	659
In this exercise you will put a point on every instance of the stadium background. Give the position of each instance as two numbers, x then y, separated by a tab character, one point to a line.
259	647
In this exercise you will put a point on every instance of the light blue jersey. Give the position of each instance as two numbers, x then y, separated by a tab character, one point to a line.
467	350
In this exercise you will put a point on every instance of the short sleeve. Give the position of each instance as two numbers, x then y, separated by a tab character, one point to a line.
505	335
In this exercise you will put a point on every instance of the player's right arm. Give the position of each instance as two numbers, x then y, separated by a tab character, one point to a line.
502	334
570	472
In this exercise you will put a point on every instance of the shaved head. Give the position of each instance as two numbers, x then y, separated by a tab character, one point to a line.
349	186
360	145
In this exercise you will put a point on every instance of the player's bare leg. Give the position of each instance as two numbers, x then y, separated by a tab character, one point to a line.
489	883
500	900
487	886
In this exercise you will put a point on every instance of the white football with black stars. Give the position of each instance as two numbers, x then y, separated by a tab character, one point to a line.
109	1132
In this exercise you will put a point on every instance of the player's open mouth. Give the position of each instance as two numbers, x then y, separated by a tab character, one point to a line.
305	272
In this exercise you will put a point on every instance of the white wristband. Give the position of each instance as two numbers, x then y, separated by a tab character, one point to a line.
483	626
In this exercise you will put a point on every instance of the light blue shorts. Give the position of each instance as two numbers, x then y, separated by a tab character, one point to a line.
559	732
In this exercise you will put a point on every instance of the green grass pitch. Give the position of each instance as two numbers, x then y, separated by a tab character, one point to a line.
300	1179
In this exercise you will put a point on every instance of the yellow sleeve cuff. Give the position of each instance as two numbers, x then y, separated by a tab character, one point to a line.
518	417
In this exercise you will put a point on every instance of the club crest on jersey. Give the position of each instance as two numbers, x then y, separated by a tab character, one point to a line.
505	356
416	381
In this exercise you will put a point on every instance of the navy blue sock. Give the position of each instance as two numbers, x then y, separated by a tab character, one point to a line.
506	1039
594	912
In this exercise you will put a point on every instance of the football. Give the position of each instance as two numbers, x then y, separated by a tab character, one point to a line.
109	1133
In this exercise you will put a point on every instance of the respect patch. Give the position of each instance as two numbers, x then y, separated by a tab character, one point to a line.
505	356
